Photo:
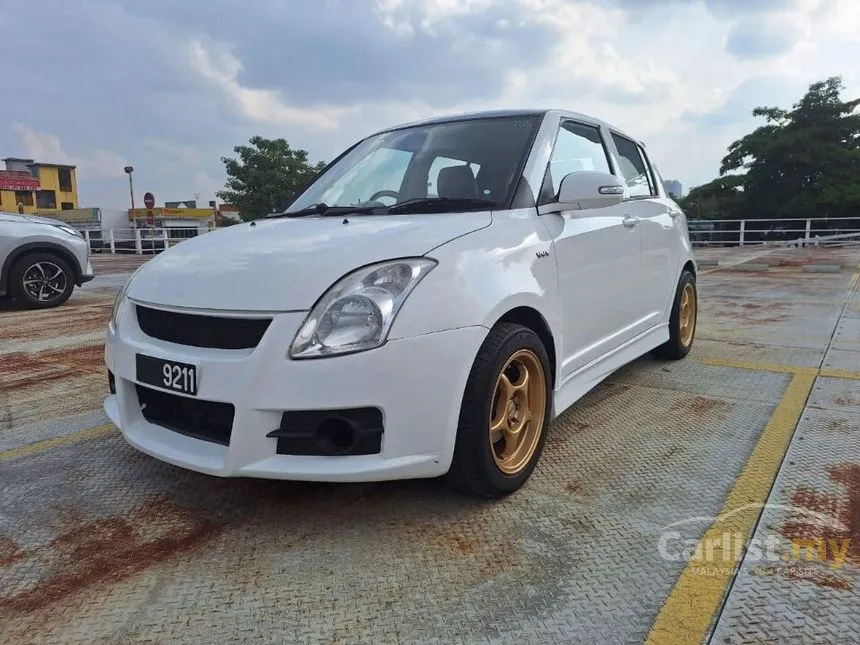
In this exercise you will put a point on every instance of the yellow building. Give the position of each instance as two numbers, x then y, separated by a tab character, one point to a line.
37	187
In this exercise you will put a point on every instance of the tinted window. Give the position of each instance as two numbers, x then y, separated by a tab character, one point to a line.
409	161
445	162
633	168
578	147
382	169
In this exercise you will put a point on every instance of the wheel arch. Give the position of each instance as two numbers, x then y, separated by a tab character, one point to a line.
690	266
38	247
532	319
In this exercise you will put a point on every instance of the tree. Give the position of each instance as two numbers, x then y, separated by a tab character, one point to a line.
265	176
721	198
804	162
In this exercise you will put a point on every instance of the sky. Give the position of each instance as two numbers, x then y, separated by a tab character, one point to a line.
171	86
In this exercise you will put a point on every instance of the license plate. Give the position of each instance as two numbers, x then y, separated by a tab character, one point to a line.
170	375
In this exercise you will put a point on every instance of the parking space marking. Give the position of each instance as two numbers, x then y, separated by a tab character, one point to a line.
782	369
687	614
757	367
55	442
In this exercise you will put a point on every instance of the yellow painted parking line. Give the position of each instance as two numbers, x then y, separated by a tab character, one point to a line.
54	442
846	374
855	279
686	615
758	367
781	369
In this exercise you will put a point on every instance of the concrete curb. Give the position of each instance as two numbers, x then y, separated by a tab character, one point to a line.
751	267
822	268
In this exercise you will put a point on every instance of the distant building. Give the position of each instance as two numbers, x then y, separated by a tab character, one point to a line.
37	187
674	188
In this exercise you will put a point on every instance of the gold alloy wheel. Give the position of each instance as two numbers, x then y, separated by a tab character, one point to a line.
687	318
517	413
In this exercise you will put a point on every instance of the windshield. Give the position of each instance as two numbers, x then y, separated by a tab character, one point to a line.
477	159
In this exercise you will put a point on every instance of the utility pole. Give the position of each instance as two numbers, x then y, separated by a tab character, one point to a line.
128	170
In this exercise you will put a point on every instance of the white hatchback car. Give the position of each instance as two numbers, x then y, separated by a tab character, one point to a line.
425	307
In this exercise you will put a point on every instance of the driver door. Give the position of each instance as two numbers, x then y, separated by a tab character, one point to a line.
598	255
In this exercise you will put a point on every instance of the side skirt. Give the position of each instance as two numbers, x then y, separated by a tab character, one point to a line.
578	384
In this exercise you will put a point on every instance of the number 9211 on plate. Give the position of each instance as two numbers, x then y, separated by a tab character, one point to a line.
167	374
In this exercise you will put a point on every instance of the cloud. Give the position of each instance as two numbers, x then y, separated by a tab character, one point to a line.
261	105
761	38
43	146
172	86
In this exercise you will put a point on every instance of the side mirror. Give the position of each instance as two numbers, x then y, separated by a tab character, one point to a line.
584	190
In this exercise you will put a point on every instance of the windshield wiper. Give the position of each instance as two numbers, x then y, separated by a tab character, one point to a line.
440	204
325	210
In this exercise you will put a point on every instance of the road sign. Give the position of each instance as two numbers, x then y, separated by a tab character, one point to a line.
149	200
150	218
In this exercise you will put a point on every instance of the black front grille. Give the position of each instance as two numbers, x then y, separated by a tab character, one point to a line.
202	331
206	420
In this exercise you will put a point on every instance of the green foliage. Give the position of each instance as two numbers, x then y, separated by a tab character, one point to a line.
265	176
803	162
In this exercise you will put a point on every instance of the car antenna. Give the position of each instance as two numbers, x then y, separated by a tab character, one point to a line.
345	220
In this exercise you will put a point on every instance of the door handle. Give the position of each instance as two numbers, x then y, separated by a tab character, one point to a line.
629	221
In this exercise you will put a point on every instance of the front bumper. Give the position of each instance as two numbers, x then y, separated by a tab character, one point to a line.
87	274
417	383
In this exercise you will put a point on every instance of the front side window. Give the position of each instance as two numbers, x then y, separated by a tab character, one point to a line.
578	147
476	159
633	168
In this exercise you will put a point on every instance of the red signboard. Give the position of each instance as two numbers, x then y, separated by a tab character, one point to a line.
148	200
150	218
18	180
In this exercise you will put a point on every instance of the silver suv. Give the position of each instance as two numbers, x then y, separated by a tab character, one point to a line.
41	260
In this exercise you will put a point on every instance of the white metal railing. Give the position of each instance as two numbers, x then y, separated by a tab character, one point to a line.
139	241
813	231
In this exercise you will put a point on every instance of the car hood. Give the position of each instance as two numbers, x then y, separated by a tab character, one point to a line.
287	264
16	217
44	220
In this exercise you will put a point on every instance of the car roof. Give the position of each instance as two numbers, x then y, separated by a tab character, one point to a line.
522	112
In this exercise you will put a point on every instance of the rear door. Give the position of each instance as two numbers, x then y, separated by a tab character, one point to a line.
645	202
597	254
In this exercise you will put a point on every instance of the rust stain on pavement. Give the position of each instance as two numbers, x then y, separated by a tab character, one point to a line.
10	552
108	550
67	320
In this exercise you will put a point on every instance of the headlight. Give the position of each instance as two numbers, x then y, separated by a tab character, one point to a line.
356	313
69	230
120	304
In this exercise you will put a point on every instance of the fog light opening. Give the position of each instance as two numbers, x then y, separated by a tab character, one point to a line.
336	436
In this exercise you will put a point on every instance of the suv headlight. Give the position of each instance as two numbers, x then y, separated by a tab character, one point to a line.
356	313
68	229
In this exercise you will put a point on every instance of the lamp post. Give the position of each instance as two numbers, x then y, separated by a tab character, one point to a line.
128	170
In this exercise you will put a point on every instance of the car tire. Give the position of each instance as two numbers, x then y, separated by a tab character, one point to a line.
483	465
54	280
682	321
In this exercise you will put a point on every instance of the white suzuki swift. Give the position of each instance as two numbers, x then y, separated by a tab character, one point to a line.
425	307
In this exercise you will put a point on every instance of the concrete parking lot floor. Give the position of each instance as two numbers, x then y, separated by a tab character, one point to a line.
643	521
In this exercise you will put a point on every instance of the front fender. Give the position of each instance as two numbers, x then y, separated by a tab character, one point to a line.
483	275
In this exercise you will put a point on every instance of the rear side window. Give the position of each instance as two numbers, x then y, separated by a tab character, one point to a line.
634	168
